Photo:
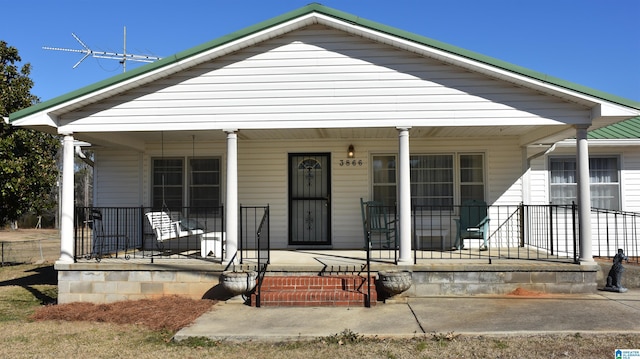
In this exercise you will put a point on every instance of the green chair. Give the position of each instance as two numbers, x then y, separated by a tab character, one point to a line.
378	222
473	223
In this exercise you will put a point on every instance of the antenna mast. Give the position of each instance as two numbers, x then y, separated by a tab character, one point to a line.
122	58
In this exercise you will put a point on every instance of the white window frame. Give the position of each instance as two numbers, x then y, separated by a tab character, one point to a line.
457	180
186	176
568	200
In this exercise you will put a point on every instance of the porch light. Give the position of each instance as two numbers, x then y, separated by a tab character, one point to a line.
350	152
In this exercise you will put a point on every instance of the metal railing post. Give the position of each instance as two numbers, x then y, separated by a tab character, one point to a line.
575	232
522	224
551	229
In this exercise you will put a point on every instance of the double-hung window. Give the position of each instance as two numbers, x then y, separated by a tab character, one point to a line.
185	182
438	180
432	180
471	177
384	179
603	176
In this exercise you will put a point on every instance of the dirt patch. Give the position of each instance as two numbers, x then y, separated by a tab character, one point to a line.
9	235
166	313
521	292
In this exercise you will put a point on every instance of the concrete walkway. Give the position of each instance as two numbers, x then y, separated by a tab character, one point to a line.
603	312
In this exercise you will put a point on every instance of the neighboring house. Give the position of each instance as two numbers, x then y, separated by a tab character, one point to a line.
310	111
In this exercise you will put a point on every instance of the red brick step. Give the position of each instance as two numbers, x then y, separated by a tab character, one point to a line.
314	291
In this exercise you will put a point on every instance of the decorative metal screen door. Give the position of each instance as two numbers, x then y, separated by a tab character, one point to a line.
309	199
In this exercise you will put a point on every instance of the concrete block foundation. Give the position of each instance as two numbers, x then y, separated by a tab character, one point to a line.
117	281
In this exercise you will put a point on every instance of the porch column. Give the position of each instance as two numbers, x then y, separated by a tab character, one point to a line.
584	193
231	215
66	202
404	196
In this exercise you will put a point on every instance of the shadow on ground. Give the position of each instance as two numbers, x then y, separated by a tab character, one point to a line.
46	275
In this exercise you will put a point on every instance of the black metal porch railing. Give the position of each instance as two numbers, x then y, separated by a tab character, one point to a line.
125	232
612	230
535	232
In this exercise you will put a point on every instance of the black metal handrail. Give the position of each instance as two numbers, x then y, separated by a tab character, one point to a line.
264	256
253	236
379	221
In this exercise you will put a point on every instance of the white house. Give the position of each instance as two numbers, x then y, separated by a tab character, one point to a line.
312	110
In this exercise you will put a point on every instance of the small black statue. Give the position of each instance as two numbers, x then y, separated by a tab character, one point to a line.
614	279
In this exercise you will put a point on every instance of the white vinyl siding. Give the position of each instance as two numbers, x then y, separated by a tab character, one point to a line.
318	77
117	179
630	179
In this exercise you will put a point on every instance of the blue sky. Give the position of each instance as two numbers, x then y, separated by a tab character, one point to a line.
595	43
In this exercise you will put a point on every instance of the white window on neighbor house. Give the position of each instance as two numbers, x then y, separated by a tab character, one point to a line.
185	182
440	180
603	176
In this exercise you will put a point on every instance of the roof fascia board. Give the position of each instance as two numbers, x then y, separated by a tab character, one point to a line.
602	143
609	110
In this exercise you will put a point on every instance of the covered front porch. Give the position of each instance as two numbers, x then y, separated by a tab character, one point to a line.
262	172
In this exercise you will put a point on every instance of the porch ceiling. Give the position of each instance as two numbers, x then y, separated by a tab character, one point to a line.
137	140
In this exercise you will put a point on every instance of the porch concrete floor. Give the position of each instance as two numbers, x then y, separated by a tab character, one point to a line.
351	260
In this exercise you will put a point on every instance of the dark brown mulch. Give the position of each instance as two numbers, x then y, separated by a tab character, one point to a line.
165	313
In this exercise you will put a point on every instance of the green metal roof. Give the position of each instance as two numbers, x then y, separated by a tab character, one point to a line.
317	8
628	129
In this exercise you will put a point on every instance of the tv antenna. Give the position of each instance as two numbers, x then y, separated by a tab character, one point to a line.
123	57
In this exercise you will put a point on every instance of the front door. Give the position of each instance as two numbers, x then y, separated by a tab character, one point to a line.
309	199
